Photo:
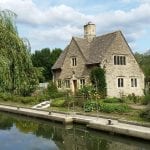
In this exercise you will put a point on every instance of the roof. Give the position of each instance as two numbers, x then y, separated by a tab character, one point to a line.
93	51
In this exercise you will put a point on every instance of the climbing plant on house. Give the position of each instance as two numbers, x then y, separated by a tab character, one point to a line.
97	77
17	75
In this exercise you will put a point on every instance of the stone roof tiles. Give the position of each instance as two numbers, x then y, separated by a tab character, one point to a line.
92	51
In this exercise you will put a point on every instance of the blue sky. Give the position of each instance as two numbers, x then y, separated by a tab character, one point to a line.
49	23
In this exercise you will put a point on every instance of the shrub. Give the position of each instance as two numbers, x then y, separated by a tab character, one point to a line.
58	102
146	99
90	106
105	107
112	100
53	92
28	100
133	98
146	113
5	96
108	108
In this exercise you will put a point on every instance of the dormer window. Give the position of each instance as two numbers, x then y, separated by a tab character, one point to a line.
119	60
74	61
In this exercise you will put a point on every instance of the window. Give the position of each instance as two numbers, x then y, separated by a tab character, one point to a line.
119	60
67	83
82	83
120	82
59	84
133	82
74	61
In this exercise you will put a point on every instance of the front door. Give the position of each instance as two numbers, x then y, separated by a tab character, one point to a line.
75	86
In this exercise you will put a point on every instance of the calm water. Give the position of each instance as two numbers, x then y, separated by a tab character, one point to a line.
21	133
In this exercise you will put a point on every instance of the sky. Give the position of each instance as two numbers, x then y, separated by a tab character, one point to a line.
52	23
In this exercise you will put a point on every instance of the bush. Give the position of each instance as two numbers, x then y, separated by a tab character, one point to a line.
146	99
134	98
112	100
53	92
58	102
108	108
28	100
90	106
105	107
146	113
5	96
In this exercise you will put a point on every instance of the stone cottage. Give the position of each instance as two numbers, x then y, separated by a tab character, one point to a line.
111	52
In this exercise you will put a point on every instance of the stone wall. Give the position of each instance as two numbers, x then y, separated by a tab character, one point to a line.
131	69
70	72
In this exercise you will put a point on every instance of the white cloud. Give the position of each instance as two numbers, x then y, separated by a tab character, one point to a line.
56	24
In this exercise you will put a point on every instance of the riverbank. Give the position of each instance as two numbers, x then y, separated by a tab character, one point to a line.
113	125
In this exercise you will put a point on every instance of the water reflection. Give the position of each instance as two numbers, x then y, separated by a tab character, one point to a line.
23	133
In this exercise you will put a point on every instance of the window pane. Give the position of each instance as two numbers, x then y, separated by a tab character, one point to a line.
115	60
135	82
67	83
124	60
59	84
119	60
120	82
74	61
132	84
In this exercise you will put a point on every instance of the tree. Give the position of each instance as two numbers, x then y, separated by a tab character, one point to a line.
46	59
17	74
144	62
97	78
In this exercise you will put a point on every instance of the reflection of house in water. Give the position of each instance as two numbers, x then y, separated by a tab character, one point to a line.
70	137
79	138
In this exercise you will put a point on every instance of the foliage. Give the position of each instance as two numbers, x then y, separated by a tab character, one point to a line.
90	106
58	102
88	92
45	58
146	113
144	62
97	78
112	100
105	107
17	75
146	99
21	99
108	108
132	97
53	92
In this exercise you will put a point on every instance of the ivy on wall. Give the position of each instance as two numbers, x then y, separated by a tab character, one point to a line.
97	78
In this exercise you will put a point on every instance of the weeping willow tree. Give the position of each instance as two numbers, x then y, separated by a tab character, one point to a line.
17	75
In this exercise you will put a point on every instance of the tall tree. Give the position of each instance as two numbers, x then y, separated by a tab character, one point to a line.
17	75
144	62
45	58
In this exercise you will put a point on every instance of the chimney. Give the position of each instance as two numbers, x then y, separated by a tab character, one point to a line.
89	31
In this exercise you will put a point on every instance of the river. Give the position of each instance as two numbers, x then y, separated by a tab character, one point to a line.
24	133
